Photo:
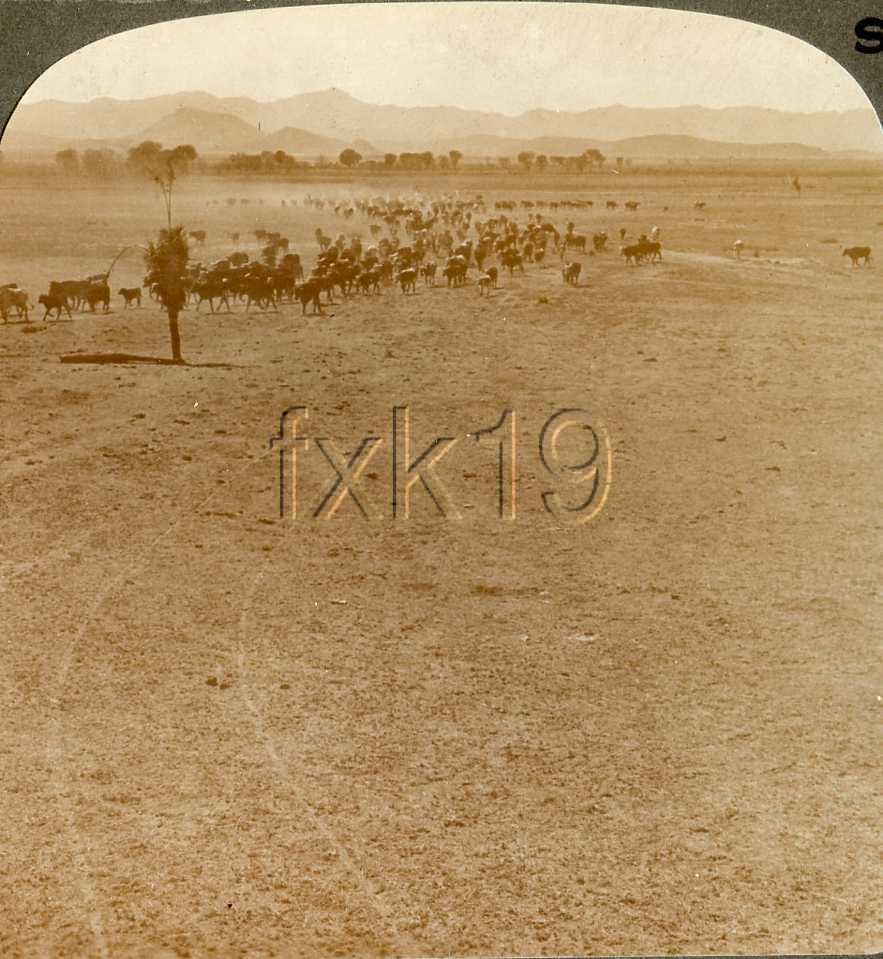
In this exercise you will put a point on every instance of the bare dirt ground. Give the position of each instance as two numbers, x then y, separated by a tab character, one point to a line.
231	734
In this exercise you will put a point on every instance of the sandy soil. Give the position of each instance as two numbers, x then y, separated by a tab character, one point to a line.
232	734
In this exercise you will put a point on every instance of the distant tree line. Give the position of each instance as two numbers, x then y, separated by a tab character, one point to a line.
351	159
267	161
580	163
100	164
527	161
152	159
147	158
426	160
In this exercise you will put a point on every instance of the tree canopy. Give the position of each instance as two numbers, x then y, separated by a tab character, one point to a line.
151	159
166	261
350	158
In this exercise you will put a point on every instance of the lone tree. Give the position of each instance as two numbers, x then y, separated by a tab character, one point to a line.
69	161
455	157
145	158
389	160
526	159
166	262
162	166
350	158
595	157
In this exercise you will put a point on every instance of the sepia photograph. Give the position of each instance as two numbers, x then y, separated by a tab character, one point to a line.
441	489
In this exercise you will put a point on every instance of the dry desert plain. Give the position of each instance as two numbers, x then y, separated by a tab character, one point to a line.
227	733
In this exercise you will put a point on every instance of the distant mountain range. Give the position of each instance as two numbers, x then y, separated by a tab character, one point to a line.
654	147
327	121
214	133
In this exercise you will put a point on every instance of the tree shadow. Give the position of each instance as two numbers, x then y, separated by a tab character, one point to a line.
42	323
130	358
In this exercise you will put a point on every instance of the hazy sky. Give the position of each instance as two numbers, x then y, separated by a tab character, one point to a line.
505	57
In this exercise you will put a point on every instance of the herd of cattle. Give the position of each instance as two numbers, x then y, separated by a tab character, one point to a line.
441	239
424	240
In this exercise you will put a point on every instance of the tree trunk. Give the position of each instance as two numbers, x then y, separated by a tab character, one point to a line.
175	335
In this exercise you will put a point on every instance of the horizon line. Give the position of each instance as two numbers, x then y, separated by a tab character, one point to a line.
440	106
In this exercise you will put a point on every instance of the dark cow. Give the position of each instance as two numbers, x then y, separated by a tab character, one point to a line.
283	285
291	263
571	272
455	271
54	301
260	289
98	294
309	292
13	298
633	254
72	291
211	288
652	250
369	281
407	279
130	295
859	254
485	284
512	261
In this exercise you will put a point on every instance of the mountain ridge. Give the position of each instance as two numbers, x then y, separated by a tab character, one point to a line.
335	114
220	135
212	134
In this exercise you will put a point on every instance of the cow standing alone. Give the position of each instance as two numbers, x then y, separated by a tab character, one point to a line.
859	254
